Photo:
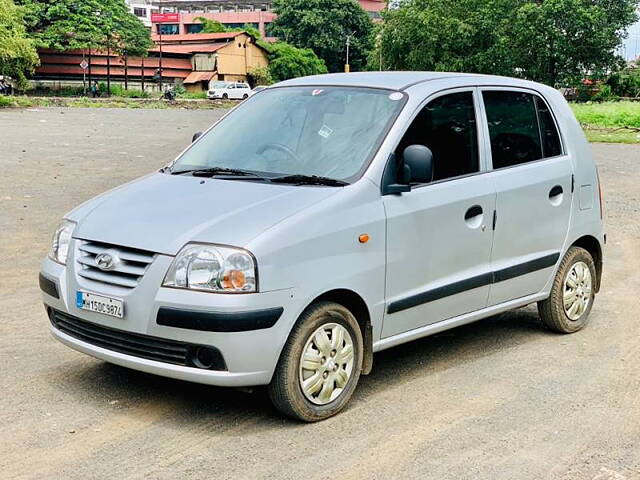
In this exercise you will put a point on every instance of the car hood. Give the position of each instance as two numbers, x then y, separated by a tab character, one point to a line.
161	212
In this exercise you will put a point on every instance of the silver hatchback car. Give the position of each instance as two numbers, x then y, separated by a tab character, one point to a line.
330	217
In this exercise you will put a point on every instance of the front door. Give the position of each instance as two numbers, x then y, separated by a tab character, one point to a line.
533	178
439	234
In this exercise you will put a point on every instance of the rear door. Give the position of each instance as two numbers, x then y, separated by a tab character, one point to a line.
532	175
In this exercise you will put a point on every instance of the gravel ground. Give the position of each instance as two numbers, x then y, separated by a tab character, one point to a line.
498	399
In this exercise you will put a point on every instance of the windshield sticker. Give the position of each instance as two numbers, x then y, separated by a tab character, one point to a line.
395	96
325	131
317	92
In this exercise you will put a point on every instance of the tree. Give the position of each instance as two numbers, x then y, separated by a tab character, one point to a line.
17	53
287	61
73	24
561	41
211	26
551	41
323	26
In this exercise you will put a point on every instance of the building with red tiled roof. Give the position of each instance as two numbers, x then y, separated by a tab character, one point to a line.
191	60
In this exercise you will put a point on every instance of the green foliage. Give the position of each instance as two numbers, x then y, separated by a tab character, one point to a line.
609	114
72	24
260	76
18	55
287	61
5	102
193	95
552	41
323	26
210	26
625	83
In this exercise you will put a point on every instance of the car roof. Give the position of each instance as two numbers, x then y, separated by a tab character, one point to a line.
403	80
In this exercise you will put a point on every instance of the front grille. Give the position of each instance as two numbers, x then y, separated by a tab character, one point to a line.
138	345
128	272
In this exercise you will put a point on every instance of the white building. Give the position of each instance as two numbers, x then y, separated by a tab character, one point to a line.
142	9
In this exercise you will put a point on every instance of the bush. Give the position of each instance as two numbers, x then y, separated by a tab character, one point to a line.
625	83
260	76
5	101
604	94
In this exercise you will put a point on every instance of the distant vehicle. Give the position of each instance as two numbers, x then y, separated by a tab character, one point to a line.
6	85
229	90
257	89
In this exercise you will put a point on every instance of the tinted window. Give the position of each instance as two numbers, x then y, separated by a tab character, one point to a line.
447	125
513	128
551	145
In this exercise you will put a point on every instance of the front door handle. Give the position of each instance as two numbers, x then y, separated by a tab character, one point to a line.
473	212
555	191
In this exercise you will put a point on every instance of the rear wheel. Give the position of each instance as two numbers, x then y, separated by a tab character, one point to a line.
225	96
572	294
320	364
245	96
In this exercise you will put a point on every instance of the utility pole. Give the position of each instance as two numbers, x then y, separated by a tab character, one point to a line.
160	62
346	65
108	70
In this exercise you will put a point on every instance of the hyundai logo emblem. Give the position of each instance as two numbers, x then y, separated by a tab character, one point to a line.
107	261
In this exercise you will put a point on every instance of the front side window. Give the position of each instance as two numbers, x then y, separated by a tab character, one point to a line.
447	125
325	131
521	128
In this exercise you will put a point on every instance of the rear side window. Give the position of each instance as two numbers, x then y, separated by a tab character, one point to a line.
521	128
447	125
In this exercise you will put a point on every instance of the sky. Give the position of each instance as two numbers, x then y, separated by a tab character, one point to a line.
631	46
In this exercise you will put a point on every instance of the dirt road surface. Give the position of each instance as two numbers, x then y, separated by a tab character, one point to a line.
499	399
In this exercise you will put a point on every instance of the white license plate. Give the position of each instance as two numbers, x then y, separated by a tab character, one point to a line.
113	307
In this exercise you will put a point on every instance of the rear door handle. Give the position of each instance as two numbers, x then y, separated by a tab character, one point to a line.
473	212
555	191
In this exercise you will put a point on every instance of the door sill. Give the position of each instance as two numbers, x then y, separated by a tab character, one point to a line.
438	327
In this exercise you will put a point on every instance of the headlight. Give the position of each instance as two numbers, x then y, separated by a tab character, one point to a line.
213	268
60	242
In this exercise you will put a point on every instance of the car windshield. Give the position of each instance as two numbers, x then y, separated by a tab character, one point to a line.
324	131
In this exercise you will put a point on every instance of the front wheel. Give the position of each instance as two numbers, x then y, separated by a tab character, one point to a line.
572	294
320	364
225	96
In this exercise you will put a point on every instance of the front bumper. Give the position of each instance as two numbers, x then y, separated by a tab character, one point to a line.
250	355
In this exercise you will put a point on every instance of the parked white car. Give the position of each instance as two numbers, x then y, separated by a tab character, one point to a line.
229	90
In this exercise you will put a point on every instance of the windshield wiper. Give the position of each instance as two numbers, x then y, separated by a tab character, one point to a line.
213	171
309	180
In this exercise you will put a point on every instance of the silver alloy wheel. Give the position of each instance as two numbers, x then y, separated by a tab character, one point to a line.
326	363
577	290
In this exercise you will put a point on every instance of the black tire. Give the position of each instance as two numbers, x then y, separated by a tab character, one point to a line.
225	96
245	96
285	390
551	310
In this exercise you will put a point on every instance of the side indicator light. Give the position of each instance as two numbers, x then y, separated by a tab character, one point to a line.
364	238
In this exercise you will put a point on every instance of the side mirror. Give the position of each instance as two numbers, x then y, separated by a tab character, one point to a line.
196	136
420	160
